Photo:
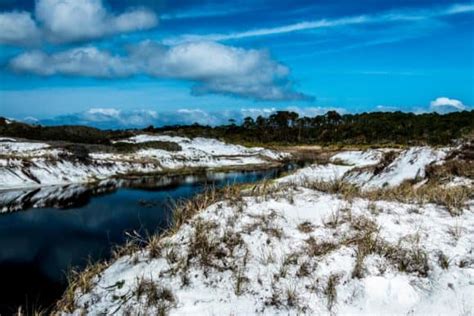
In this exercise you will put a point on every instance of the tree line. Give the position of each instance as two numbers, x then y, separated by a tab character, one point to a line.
285	127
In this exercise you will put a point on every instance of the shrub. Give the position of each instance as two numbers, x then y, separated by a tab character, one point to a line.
125	147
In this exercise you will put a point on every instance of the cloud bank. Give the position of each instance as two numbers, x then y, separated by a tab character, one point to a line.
444	104
213	68
114	118
61	21
108	118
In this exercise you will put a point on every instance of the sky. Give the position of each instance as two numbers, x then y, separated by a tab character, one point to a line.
114	63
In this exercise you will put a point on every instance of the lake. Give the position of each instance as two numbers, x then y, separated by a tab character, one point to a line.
46	231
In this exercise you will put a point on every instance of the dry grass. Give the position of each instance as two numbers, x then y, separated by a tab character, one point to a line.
79	282
319	248
453	198
240	280
265	223
291	296
460	163
155	296
331	292
387	159
336	186
443	260
306	227
210	249
304	270
35	312
366	245
203	247
456	230
184	210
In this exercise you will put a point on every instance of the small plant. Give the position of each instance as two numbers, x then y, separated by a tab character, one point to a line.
155	296
412	260
291	258
306	227
315	248
456	230
202	245
334	186
79	282
292	299
333	220
364	224
373	209
266	256
331	292
304	270
126	147
443	260
240	280
275	299
153	246
366	244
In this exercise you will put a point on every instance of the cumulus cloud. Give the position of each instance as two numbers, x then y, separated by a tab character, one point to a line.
443	103
85	61
18	28
212	67
71	20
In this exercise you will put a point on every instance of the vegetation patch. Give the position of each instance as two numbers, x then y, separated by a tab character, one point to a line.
126	147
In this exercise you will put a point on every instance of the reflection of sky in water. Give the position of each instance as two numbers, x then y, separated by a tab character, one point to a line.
39	245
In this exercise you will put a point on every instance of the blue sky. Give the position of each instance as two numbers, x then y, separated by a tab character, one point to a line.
134	63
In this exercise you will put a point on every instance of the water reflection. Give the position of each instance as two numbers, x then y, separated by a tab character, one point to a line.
60	227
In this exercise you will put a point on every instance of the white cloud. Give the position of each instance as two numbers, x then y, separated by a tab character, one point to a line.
444	104
300	26
71	20
218	68
102	114
255	112
214	68
18	28
396	16
86	61
386	108
314	111
116	118
109	118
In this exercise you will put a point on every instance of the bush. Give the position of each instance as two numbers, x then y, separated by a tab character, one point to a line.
124	147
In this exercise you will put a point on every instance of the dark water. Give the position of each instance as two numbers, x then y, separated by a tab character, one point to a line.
76	224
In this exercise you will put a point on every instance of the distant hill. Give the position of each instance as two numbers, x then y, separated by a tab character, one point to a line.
70	133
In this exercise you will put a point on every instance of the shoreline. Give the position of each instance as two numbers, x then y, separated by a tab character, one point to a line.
189	171
33	165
